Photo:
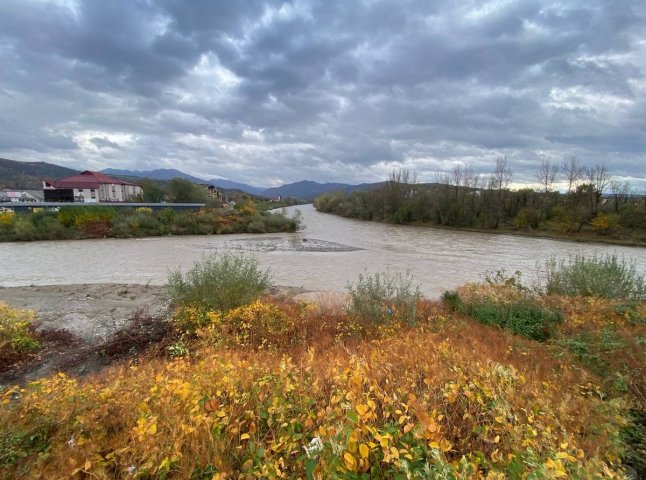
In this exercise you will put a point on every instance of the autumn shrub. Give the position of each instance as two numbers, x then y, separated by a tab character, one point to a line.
218	282
605	276
261	324
7	217
383	410
17	336
383	298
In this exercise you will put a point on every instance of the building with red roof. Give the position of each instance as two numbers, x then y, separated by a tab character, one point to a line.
90	187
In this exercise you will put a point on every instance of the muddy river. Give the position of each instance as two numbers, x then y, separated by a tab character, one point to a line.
327	254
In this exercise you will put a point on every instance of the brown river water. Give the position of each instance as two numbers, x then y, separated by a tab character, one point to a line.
330	252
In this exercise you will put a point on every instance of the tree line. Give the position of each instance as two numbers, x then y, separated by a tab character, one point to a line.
591	201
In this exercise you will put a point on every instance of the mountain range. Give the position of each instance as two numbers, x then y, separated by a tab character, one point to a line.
29	175
305	190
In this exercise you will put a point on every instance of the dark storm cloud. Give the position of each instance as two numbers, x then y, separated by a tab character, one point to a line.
271	92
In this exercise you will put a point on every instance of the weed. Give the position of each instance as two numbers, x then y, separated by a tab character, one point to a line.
606	277
384	297
17	335
178	349
218	282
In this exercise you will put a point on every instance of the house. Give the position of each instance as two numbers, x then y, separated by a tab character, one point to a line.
212	191
90	187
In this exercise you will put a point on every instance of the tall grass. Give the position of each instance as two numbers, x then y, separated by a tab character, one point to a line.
605	276
219	282
384	297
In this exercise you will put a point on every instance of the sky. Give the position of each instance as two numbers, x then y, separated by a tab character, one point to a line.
268	93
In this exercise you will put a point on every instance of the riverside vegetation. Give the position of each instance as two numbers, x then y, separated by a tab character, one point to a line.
593	206
105	221
497	380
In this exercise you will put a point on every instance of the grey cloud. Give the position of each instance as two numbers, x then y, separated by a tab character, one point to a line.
333	91
102	142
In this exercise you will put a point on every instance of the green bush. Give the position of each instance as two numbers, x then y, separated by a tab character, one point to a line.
522	317
606	277
218	282
384	297
594	349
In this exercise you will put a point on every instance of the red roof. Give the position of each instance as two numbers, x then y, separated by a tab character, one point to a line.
86	179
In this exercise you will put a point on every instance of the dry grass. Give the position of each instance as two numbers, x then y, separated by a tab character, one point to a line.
448	397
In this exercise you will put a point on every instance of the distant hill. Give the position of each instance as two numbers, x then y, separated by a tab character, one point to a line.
29	175
308	190
230	185
158	174
170	173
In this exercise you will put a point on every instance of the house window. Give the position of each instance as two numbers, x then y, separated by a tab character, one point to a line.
93	193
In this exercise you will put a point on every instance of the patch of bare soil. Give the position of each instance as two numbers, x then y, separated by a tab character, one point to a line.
82	328
63	352
91	312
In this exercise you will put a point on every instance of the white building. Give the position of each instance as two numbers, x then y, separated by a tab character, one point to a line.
90	187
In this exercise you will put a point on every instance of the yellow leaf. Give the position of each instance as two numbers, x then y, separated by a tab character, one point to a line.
87	465
244	436
364	451
445	445
362	409
350	461
152	428
408	427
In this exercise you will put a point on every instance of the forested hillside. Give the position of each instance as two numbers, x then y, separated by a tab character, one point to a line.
29	175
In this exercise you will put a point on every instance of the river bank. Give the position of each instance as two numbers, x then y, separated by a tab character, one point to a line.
85	327
584	237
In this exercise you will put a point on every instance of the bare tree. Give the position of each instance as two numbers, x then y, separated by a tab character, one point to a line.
501	176
571	172
546	175
620	192
471	178
457	177
400	184
598	177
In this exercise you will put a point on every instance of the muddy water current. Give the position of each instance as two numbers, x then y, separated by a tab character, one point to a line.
327	254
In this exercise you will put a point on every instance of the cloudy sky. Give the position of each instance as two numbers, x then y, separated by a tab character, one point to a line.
275	92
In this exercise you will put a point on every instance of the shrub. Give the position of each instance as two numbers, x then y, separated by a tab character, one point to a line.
606	277
523	318
384	297
16	332
505	306
218	282
23	229
258	325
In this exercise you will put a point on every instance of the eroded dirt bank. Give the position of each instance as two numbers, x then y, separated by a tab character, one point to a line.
91	312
